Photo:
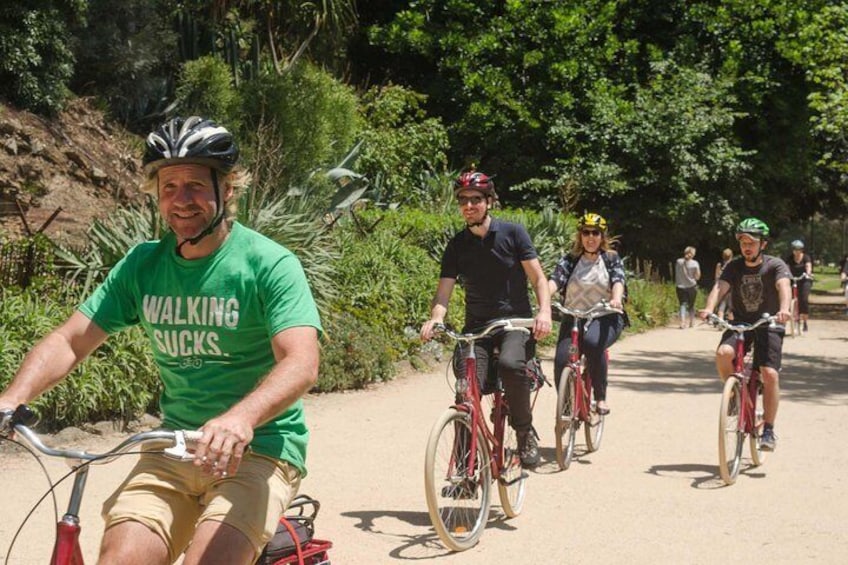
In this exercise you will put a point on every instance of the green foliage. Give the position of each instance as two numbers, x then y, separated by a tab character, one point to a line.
662	157
36	61
398	298
354	355
125	54
312	117
206	88
119	381
288	220
401	145
650	304
108	241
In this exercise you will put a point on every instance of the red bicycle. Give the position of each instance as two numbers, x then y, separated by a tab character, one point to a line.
464	454
741	413
176	444
795	317
574	391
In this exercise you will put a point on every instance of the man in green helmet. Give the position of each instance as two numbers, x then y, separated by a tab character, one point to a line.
761	285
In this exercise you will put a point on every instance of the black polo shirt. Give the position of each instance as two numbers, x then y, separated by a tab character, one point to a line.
490	270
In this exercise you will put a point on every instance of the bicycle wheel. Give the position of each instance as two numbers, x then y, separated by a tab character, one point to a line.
730	438
565	427
512	483
595	426
458	498
758	456
794	322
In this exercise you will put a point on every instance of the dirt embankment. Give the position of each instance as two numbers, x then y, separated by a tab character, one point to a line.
78	162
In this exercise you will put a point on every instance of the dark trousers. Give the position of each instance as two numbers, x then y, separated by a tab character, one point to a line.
515	349
597	336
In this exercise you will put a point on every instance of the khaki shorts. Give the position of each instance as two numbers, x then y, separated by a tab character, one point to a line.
173	497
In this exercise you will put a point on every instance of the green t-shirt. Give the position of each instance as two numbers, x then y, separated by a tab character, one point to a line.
209	322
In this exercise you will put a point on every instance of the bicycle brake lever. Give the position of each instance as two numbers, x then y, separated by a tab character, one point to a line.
179	451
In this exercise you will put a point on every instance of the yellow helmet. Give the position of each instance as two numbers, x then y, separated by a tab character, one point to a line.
591	220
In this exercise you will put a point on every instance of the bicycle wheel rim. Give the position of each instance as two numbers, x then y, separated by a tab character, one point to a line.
594	430
729	436
565	427
459	519
758	456
512	483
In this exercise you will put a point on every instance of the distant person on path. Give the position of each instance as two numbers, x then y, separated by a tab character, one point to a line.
724	306
760	285
494	260
589	273
687	272
234	331
801	264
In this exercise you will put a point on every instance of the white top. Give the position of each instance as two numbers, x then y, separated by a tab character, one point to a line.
588	284
685	273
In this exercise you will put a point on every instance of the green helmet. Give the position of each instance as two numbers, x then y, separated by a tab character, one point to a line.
752	226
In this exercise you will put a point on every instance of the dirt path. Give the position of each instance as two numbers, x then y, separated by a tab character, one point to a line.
650	495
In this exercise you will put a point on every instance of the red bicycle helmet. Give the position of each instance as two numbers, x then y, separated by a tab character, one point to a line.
473	180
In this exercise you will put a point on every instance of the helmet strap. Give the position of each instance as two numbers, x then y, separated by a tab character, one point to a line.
214	223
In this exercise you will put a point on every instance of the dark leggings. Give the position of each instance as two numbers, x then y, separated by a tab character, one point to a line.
804	287
598	336
515	349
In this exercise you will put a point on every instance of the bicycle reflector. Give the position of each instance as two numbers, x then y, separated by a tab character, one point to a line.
461	385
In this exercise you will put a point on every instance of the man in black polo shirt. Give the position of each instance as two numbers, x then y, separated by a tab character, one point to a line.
494	259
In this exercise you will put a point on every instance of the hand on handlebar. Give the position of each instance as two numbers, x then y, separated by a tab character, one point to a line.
222	446
542	324
783	316
427	330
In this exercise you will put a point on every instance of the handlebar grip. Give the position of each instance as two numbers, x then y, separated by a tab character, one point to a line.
193	435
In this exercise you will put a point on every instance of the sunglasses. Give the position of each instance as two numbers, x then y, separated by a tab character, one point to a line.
463	200
595	233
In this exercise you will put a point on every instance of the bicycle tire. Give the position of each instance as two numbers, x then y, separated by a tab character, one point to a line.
758	456
794	319
594	428
512	483
565	427
730	438
458	511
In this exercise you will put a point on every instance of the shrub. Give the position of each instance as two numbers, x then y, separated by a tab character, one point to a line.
354	355
205	88
36	62
400	144
311	115
118	381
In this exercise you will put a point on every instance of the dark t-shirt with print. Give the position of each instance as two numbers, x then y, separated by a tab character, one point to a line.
754	289
491	271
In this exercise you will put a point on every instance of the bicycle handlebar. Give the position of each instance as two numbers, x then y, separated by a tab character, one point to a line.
602	308
180	443
741	328
802	276
508	324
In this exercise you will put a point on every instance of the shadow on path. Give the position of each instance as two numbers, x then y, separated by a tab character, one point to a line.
419	547
705	477
803	377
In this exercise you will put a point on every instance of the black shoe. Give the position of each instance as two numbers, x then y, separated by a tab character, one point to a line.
464	490
768	441
804	328
528	449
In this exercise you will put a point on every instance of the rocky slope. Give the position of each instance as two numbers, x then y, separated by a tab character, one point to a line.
77	163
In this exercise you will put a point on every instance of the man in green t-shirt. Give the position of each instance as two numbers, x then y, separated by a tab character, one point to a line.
234	331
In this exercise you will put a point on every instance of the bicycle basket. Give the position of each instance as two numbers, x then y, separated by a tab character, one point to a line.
293	541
